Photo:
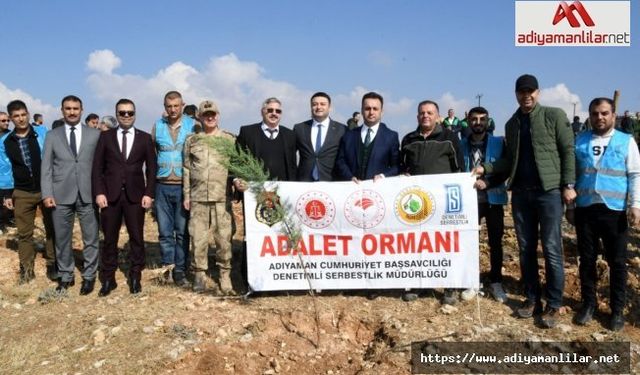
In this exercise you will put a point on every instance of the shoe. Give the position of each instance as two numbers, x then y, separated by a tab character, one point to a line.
468	294
450	297
409	296
26	276
87	286
181	282
529	309
549	317
199	283
134	285
497	292
617	321
52	272
64	285
225	282
372	295
107	287
584	315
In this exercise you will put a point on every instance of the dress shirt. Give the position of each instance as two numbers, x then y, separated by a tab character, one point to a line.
78	133
267	133
130	135
314	131
374	131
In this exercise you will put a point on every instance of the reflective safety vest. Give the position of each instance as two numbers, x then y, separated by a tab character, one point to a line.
608	179
6	173
498	194
170	153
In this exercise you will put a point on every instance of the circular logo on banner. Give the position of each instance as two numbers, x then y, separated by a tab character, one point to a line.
364	209
414	206
316	209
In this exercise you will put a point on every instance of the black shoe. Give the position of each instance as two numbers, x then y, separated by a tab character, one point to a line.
64	285
549	317
617	321
134	286
584	315
107	287
529	309
182	282
87	286
52	272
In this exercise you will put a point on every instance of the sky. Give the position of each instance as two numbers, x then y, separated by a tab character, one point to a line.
239	53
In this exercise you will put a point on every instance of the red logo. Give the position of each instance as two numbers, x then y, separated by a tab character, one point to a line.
316	209
364	209
566	11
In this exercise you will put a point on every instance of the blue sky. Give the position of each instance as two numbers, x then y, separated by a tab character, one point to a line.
239	53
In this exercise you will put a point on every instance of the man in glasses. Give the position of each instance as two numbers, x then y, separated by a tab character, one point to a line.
207	195
66	190
6	176
24	146
169	134
123	180
318	140
270	142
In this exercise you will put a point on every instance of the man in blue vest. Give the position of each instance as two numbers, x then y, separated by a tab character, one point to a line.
6	175
480	147
608	186
169	134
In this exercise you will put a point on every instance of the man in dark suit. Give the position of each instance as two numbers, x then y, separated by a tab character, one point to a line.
317	141
124	159
270	142
66	189
370	151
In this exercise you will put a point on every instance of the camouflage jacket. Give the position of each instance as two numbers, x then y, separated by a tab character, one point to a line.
205	179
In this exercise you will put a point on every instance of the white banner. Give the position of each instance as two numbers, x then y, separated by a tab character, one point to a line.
400	232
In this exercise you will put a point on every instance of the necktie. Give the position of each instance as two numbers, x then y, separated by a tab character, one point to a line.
315	174
272	133
124	144
367	139
72	141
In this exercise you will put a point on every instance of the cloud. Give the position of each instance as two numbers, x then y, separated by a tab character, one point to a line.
34	105
447	100
238	87
103	61
560	96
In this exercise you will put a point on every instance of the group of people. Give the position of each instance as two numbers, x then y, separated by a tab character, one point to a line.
76	170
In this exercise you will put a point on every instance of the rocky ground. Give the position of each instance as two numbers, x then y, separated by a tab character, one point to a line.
170	330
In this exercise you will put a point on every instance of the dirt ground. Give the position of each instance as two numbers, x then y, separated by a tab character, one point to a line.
167	330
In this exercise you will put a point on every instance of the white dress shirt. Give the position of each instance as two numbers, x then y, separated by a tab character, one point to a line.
314	132
365	129
77	132
130	136
267	133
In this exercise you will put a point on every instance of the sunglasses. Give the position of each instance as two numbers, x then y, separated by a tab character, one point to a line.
210	114
4	120
126	113
276	110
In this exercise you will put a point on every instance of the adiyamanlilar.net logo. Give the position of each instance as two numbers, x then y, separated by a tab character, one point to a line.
577	23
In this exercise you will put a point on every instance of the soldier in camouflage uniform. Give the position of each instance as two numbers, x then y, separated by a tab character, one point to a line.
207	194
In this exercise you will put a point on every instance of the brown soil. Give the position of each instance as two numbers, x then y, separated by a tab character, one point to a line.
172	330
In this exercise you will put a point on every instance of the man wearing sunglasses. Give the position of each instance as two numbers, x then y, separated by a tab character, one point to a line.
123	180
207	196
270	142
169	134
66	190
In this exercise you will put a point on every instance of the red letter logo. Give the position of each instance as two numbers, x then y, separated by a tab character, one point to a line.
566	11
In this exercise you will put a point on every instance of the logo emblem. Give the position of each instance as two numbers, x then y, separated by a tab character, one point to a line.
364	209
566	11
454	198
269	209
316	209
414	206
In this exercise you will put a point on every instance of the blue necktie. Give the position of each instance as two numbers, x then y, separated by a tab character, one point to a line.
315	173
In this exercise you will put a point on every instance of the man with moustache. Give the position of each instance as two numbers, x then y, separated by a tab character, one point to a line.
66	190
169	134
207	196
431	149
480	147
540	161
270	142
317	141
370	151
123	181
608	186
24	147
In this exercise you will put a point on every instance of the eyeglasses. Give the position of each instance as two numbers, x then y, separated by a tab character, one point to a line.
126	113
4	120
276	110
210	114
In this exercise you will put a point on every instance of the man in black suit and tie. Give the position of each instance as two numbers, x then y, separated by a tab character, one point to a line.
125	158
270	142
370	151
318	141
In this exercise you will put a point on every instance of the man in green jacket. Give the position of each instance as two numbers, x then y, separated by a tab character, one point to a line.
540	161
